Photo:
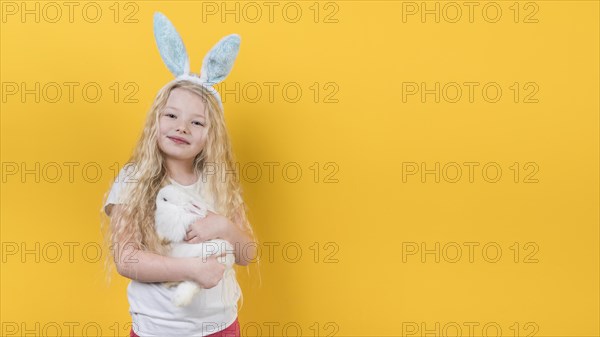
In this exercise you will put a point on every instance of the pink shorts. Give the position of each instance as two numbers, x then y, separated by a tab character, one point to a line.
231	331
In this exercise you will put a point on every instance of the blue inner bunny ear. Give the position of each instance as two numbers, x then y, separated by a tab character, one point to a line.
218	62
170	45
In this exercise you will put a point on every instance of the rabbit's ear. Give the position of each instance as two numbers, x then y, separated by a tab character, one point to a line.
218	62
170	45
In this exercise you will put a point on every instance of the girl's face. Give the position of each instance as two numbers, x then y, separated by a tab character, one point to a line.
182	125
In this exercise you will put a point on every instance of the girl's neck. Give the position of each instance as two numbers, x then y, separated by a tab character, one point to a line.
182	172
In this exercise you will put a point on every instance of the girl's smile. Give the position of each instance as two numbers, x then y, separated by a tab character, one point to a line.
178	140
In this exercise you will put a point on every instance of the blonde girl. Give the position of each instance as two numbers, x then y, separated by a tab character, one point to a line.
184	142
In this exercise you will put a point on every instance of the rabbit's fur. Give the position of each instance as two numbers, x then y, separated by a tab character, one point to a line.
176	210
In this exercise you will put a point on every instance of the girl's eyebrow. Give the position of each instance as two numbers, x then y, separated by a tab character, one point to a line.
176	109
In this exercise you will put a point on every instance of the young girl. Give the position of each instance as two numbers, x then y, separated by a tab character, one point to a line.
183	138
184	142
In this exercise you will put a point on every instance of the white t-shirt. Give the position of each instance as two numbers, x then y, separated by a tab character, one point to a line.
150	306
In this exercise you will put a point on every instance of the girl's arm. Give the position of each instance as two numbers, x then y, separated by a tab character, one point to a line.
144	266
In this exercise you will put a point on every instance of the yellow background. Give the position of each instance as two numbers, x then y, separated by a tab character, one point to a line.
370	214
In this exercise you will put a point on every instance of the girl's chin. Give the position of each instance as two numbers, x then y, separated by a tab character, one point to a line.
174	154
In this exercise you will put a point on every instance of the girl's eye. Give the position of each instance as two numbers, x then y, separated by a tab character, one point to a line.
198	123
169	115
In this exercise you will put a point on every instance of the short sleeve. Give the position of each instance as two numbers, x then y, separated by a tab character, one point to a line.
125	176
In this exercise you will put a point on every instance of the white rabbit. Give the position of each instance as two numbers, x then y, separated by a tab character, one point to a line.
176	210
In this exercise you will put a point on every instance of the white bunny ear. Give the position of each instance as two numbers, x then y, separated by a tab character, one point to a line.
218	62
170	45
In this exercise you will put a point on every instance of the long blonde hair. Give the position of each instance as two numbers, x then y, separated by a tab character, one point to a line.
135	222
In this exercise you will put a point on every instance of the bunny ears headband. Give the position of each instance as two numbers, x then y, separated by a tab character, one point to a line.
216	65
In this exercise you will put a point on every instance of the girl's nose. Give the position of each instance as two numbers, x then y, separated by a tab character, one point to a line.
181	129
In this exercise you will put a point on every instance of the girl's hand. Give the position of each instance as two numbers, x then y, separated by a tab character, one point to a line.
207	272
208	228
